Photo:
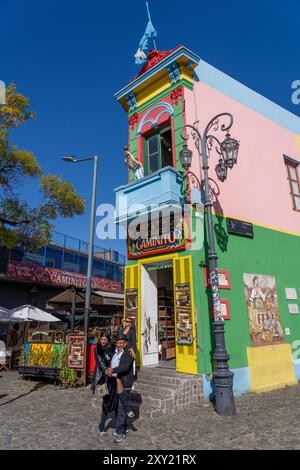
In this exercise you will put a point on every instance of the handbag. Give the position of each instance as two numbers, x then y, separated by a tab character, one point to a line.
103	389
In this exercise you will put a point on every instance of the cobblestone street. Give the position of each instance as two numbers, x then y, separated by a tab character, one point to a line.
37	415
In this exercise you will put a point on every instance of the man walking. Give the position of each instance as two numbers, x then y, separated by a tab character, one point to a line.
122	369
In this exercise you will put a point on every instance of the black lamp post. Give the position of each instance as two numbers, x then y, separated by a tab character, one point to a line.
228	153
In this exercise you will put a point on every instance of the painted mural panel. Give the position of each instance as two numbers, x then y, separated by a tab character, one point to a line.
131	302
262	300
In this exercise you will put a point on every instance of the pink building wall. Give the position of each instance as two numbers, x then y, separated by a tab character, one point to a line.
256	189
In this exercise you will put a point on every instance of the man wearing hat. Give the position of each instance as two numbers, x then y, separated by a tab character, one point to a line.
122	369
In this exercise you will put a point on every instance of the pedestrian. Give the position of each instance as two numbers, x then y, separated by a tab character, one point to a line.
122	369
104	352
129	331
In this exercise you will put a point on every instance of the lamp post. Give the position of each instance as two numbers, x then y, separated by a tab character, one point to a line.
91	239
228	152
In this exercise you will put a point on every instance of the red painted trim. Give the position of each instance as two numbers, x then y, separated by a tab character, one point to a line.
153	130
173	143
128	145
140	154
220	271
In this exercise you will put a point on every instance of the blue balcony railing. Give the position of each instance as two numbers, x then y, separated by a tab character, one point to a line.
160	189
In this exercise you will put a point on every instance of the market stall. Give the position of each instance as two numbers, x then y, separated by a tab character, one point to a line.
106	315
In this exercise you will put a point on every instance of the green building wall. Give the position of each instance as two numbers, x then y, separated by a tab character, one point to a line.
270	252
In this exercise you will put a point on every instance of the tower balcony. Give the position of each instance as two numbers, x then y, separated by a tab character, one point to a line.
162	189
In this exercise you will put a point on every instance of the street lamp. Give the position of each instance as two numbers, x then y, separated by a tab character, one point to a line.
228	153
72	159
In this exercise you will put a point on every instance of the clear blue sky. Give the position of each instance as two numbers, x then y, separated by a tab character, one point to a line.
70	57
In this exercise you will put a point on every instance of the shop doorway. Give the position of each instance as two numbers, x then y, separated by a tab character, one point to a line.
158	314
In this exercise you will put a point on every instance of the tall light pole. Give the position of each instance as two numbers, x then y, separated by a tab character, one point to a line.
91	238
228	152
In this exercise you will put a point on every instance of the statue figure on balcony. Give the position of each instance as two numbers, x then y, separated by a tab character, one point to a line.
133	164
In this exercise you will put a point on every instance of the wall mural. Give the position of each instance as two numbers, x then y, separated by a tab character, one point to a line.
262	300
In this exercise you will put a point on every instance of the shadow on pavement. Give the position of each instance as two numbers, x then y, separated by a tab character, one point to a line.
34	389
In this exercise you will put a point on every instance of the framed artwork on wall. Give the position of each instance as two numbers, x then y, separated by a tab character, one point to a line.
225	309
223	278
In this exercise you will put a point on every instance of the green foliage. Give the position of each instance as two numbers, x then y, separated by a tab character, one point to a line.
68	377
16	111
62	197
20	223
59	356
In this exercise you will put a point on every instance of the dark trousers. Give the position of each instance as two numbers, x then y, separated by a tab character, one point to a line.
103	419
121	423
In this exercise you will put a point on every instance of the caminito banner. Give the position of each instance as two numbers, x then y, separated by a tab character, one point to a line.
22	271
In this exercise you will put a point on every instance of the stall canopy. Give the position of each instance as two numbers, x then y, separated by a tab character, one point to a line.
98	298
6	317
28	312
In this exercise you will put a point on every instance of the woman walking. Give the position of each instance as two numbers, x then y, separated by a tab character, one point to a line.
104	352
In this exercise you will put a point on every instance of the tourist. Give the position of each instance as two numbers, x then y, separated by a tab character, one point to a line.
104	352
130	332
122	369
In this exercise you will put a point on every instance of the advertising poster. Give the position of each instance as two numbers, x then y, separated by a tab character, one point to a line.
76	352
131	299
184	330
262	300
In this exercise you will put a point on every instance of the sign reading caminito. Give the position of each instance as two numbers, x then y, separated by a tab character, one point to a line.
160	235
22	271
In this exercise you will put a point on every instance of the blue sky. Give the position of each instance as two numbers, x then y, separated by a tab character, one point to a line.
70	57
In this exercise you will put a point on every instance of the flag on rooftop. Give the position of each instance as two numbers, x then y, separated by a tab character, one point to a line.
150	33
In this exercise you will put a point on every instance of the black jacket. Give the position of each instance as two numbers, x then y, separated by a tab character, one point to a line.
103	359
131	338
125	369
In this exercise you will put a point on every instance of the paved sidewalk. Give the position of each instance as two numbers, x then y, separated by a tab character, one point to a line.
37	415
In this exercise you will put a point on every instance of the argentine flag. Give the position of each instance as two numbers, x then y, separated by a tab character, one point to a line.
141	56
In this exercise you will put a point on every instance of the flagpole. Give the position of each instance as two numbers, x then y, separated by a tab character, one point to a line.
154	43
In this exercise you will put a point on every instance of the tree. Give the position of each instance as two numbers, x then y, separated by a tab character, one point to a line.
20	223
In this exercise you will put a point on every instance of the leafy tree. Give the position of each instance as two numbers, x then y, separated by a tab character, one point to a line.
20	223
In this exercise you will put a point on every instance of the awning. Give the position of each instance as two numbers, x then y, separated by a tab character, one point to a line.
110	298
98	298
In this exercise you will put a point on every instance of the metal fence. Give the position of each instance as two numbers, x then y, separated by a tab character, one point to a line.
71	254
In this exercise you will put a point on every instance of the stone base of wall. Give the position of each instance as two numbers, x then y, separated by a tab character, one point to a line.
160	391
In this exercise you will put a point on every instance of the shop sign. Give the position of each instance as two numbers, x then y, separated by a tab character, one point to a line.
239	227
76	352
22	271
184	327
162	236
131	304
